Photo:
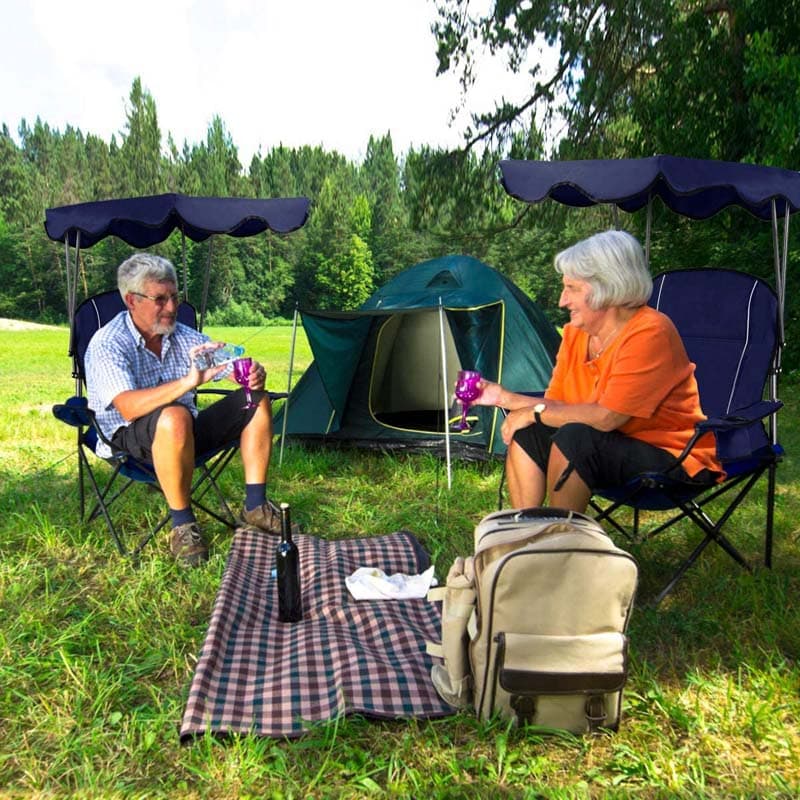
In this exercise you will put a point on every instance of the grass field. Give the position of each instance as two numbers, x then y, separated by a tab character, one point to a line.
96	657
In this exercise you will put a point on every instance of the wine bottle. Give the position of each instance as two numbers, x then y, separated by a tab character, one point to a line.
290	608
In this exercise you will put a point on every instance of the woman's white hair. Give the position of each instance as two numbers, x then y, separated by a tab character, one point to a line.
613	264
138	269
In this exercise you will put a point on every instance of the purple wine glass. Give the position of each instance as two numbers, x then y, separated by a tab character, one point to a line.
466	391
241	373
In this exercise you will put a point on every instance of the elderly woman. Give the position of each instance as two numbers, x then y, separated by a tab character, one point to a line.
622	399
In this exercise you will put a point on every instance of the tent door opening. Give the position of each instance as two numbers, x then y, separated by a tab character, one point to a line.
406	380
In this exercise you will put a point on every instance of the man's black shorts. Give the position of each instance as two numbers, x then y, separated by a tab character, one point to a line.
215	426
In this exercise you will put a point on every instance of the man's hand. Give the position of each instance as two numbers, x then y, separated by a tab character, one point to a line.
258	377
200	376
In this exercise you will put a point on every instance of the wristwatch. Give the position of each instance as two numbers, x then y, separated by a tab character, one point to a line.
538	410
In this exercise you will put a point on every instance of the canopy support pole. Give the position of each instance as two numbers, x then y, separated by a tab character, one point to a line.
445	403
780	257
183	258
72	299
288	386
648	230
206	283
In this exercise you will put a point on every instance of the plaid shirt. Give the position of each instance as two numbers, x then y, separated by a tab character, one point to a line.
117	361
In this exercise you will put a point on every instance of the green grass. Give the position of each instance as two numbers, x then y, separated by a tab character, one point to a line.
96	657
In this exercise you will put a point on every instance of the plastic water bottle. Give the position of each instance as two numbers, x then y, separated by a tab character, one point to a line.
215	358
290	606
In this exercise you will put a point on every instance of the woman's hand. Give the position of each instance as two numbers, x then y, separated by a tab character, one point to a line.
490	394
521	418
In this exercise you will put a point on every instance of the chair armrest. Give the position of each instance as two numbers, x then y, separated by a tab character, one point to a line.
222	392
741	418
74	412
718	425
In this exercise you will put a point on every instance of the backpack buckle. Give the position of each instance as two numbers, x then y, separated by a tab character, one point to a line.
595	710
525	707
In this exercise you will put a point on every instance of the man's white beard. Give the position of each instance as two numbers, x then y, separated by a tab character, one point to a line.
163	329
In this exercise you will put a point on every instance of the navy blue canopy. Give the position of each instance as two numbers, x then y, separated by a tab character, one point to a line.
145	221
693	187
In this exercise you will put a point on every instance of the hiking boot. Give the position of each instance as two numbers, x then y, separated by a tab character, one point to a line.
187	544
267	517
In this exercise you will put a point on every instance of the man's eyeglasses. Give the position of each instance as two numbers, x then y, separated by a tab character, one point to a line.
161	299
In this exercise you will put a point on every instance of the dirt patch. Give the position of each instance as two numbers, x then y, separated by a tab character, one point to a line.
22	325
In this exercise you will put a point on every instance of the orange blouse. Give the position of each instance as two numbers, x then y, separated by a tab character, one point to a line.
645	374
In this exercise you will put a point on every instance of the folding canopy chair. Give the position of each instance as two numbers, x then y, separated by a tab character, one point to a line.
127	471
142	222
731	323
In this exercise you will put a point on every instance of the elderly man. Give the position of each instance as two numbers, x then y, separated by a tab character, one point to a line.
141	379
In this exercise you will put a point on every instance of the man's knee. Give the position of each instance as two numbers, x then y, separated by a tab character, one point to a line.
175	422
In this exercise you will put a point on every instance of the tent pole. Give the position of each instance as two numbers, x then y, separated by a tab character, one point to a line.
444	396
289	385
648	230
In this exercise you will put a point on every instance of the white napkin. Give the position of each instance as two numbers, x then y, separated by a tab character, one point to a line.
370	583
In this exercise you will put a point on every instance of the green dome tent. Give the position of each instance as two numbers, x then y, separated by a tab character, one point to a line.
383	376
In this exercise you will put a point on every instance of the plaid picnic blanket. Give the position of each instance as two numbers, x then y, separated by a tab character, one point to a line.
258	675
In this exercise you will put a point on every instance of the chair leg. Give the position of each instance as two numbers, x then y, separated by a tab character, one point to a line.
81	485
606	515
208	476
145	540
102	508
681	571
500	488
770	515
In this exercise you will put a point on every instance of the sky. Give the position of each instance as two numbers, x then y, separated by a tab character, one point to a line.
291	72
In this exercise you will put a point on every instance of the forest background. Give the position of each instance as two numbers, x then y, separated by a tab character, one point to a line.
699	78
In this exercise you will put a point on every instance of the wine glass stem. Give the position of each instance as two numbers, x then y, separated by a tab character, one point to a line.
464	407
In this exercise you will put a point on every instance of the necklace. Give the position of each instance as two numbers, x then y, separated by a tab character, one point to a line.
603	342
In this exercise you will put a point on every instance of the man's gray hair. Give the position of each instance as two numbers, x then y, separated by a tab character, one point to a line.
138	269
613	265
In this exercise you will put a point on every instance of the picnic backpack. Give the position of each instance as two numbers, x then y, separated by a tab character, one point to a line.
533	624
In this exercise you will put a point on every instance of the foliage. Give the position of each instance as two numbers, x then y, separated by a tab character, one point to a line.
238	314
684	77
607	79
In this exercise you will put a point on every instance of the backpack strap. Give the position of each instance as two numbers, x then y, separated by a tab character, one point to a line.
453	678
